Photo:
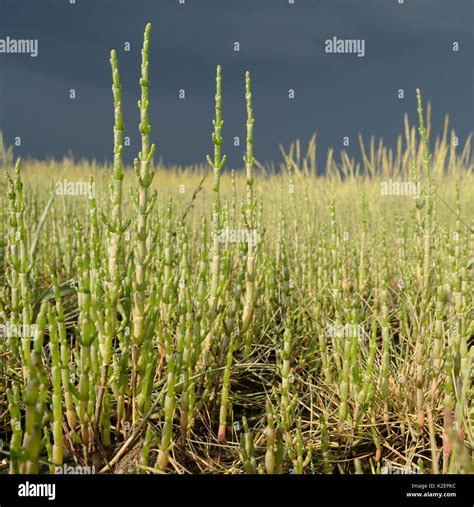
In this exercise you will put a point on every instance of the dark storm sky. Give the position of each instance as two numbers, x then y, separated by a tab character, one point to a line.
406	46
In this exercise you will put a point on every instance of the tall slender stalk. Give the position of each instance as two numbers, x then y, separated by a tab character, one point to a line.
217	164
143	206
250	291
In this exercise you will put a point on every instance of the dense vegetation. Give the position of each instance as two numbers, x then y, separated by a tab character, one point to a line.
251	321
